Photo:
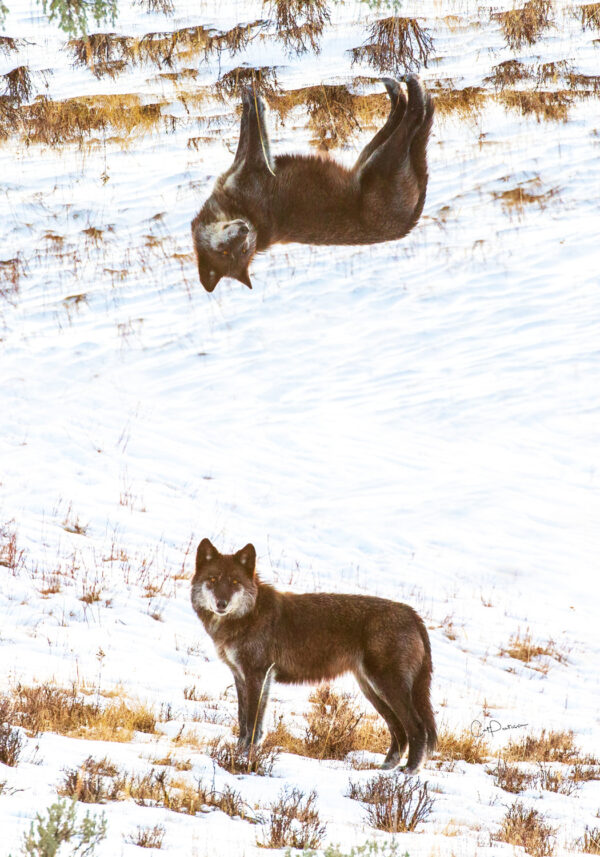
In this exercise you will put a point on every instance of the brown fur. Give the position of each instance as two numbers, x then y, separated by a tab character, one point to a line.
261	634
312	199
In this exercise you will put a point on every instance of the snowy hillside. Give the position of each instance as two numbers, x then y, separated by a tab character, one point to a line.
417	420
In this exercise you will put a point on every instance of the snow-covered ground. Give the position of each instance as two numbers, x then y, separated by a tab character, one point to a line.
418	420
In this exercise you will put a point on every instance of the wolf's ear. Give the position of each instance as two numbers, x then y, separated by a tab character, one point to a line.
247	558
208	277
205	553
244	278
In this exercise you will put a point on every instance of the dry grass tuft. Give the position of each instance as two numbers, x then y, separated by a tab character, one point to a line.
528	829
522	648
299	23
395	45
517	198
510	777
508	73
525	26
44	708
547	747
545	106
148	837
394	803
331	115
463	747
335	728
294	822
170	762
466	103
331	726
590	16
260	759
589	843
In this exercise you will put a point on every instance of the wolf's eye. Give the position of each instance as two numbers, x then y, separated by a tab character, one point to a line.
225	252
235	581
213	580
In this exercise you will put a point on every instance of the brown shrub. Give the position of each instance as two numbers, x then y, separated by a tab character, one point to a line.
90	782
553	780
299	23
517	198
395	45
394	803
510	777
508	73
525	26
260	759
148	837
18	85
547	747
11	740
292	823
527	827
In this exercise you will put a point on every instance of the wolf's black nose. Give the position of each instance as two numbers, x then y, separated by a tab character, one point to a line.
221	604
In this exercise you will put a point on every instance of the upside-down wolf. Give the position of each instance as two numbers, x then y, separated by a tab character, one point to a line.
263	200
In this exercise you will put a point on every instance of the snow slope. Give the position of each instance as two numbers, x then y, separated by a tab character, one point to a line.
417	420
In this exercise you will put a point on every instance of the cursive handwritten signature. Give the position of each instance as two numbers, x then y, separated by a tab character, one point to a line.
478	728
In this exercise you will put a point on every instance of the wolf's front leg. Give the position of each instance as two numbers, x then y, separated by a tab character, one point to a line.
258	151
240	686
242	148
257	695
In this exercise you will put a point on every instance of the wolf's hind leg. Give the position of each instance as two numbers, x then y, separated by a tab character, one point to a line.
240	687
397	108
394	692
390	155
397	733
258	151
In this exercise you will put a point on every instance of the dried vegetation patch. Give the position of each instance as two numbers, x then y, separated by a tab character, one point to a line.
525	26
462	746
334	728
552	746
45	708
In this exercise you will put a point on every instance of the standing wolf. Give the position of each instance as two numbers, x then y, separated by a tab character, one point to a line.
261	634
261	200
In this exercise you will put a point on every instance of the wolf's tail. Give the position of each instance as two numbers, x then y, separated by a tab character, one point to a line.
421	691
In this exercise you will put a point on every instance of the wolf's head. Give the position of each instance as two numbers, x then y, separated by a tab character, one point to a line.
224	584
224	248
